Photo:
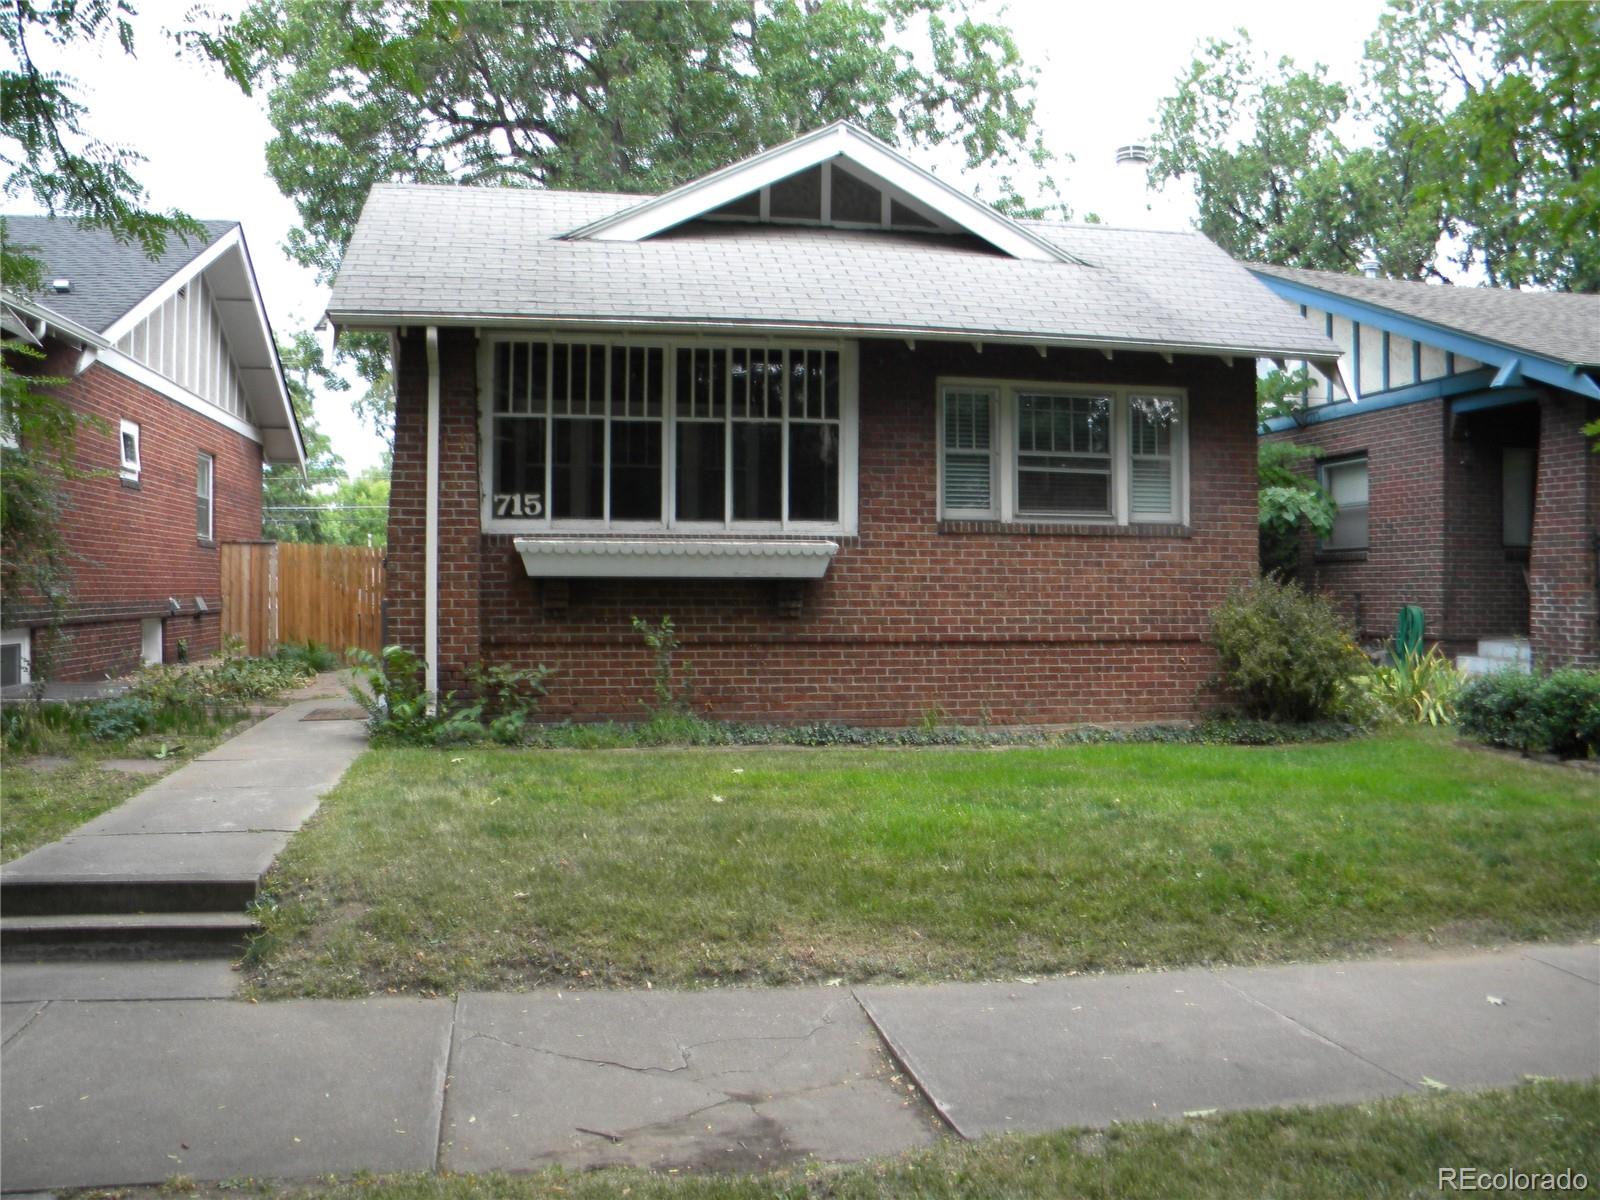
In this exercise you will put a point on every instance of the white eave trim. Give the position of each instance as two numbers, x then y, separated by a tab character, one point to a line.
674	558
374	322
842	140
81	334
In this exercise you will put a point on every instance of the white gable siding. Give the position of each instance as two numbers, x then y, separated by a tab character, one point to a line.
1433	362
183	341
1371	380
1400	366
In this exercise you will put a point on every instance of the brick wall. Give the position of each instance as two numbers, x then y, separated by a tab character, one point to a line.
1566	523
130	548
911	618
1406	543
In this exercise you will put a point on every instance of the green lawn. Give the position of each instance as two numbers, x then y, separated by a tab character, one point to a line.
432	871
1389	1148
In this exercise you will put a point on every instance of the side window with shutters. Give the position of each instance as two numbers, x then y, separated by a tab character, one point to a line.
968	454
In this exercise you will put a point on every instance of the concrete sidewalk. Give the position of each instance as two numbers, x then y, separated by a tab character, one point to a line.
173	869
102	1090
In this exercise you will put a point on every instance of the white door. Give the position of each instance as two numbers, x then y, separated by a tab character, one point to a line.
152	641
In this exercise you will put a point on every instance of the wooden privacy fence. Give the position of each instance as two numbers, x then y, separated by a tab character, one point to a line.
250	595
287	592
332	595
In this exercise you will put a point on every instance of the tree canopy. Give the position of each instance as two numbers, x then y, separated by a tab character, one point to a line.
612	96
1473	145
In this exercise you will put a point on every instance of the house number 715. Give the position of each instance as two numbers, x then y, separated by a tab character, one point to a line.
518	504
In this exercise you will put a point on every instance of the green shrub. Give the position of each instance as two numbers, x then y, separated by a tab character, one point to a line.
1287	655
313	657
1414	687
1559	712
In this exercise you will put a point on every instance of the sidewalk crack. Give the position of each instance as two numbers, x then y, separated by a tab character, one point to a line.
1320	1036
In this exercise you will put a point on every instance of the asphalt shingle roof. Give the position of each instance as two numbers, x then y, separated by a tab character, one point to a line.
108	277
492	253
1562	326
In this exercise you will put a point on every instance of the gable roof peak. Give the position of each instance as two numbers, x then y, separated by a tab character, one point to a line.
841	139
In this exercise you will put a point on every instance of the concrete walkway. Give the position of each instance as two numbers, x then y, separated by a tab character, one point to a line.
110	1078
178	863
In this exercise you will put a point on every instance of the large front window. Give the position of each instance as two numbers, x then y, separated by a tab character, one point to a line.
590	435
1032	452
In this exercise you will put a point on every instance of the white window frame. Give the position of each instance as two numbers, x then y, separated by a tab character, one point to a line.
208	477
23	638
1004	440
130	466
849	425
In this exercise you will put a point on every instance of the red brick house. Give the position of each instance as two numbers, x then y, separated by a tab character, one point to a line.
878	450
175	357
1454	444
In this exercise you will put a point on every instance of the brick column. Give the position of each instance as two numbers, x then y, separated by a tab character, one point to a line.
1564	618
459	548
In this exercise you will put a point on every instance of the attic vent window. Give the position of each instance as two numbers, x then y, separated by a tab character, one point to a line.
61	286
829	194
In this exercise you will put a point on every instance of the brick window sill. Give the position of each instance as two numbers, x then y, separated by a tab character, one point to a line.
1063	529
1341	556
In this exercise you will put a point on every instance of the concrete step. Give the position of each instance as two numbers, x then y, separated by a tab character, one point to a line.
123	935
1511	649
38	896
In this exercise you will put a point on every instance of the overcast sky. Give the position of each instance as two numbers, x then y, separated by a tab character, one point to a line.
1103	68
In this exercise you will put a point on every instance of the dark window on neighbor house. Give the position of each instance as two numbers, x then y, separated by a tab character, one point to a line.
581	433
10	663
1516	496
1346	481
129	445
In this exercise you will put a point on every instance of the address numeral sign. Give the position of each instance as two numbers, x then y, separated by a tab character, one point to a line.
518	504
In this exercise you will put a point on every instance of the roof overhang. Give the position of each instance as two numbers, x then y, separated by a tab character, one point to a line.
371	322
31	321
839	140
1513	367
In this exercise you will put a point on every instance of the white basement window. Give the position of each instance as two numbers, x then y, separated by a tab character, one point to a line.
1032	452
129	441
658	437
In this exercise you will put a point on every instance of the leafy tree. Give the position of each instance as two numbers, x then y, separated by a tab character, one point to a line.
609	96
1289	499
292	501
1478	146
359	509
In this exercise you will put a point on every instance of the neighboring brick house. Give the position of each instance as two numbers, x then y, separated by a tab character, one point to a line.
175	358
1468	485
880	452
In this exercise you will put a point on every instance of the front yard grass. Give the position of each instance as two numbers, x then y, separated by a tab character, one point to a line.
1385	1148
432	871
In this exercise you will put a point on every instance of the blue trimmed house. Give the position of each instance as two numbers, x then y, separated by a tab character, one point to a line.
1452	440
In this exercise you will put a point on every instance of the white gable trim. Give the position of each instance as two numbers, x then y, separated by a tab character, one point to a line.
266	395
171	284
867	153
115	360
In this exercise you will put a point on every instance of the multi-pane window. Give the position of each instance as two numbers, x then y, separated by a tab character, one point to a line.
589	434
1346	481
1063	455
204	492
1025	452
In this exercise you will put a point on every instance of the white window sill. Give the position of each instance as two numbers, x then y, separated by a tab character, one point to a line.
674	558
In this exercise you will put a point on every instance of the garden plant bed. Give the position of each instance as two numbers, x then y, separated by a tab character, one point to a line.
430	871
1386	1148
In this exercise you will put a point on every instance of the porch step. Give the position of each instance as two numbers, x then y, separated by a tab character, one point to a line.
123	935
40	896
1497	654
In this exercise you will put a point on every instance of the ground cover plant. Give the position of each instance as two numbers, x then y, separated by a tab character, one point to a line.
431	871
1383	1148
